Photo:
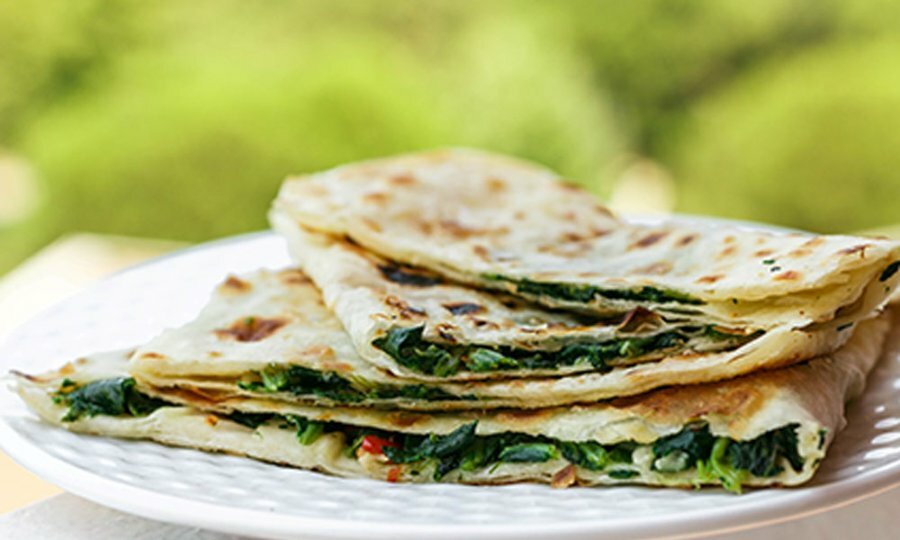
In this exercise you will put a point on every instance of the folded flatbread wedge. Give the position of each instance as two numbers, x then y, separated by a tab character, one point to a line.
418	325
270	334
768	428
503	224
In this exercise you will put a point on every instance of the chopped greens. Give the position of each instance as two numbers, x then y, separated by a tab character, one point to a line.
111	397
713	459
299	380
307	430
584	294
763	455
407	346
724	459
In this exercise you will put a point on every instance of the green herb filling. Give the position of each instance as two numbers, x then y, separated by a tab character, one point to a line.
411	350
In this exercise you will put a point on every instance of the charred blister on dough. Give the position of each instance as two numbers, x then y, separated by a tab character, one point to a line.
859	248
446	331
482	323
648	240
376	197
789	275
685	240
294	276
403	309
403	180
404	419
406	275
250	329
371	224
463	308
659	268
727	252
235	284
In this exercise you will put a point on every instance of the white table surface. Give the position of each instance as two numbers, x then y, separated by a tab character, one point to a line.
66	517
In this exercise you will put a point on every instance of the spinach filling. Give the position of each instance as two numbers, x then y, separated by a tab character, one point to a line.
584	294
111	397
302	381
693	448
411	350
726	460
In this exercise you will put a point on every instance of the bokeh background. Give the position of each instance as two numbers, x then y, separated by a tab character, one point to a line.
178	120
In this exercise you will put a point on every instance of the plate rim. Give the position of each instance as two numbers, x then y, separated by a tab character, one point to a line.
797	503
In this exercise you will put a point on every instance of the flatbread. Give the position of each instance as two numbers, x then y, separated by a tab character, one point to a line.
374	297
806	399
504	224
277	319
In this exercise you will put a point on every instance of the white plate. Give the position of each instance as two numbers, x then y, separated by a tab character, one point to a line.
242	496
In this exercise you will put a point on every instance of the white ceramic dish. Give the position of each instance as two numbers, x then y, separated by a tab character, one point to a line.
242	496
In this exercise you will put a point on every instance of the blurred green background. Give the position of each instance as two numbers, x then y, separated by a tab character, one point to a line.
180	119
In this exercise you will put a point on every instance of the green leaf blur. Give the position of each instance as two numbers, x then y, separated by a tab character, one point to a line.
180	119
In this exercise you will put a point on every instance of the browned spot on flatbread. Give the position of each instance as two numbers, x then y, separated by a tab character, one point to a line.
250	329
446	331
403	180
405	419
67	369
859	248
763	253
338	367
403	309
572	236
236	284
522	416
649	239
654	269
738	397
214	354
727	252
481	252
496	185
463	308
800	253
293	277
482	323
710	279
813	242
370	223
685	240
790	275
570	186
318	351
564	477
152	355
375	197
462	231
212	420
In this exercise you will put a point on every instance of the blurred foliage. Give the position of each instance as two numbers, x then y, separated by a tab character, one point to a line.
808	142
180	119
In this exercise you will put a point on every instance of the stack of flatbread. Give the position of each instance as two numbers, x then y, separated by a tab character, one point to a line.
463	317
